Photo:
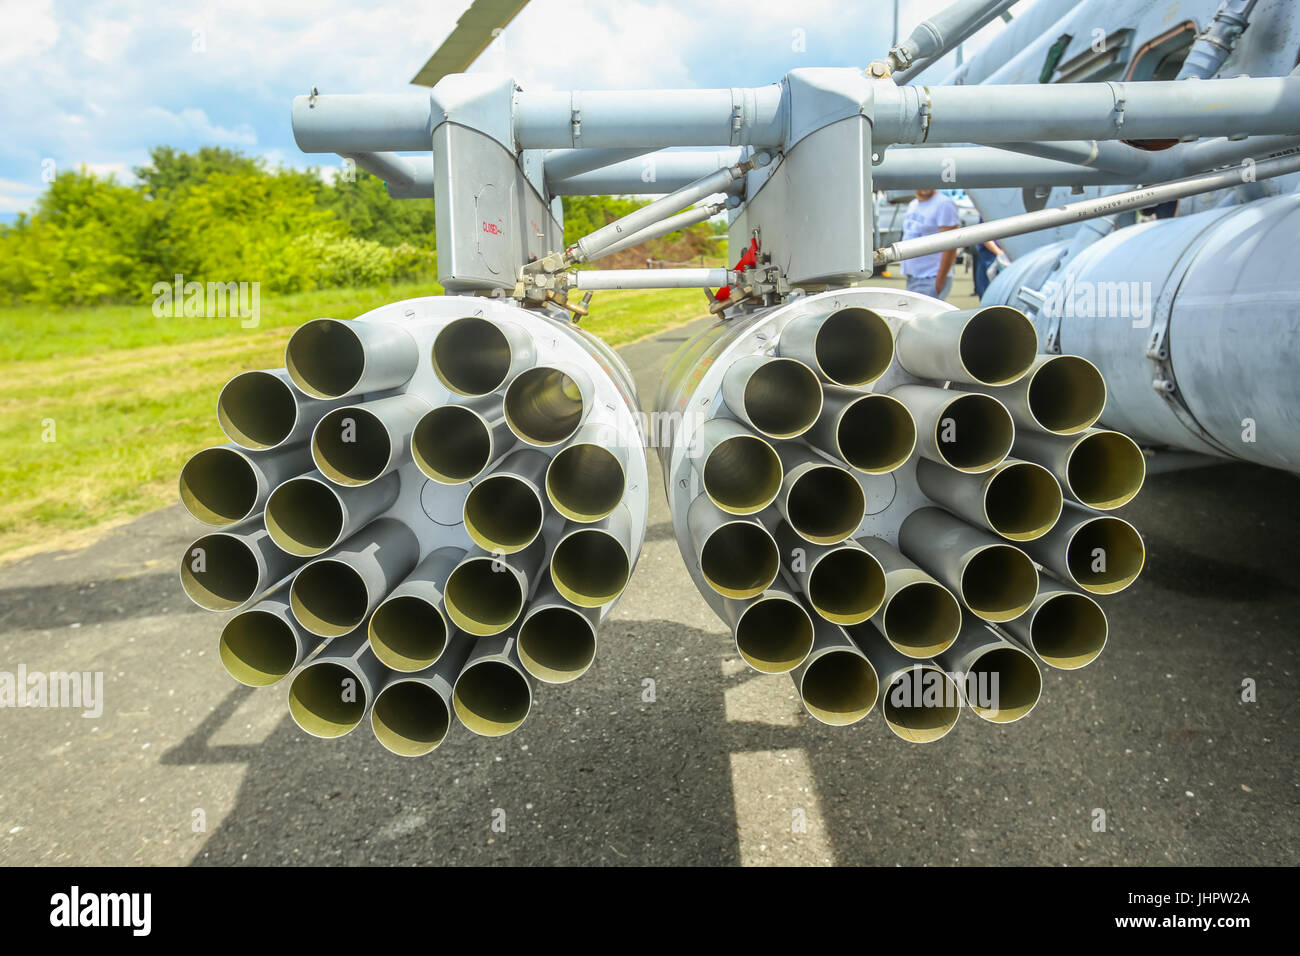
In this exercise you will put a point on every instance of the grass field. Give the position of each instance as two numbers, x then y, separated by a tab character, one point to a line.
100	407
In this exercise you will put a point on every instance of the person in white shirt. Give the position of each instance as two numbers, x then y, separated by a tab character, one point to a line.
930	212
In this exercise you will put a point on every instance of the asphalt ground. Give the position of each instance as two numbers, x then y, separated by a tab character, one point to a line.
718	766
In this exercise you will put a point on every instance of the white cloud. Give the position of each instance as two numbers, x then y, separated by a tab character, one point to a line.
29	29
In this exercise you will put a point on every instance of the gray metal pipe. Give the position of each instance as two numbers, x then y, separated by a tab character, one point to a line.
329	697
1099	468
777	397
1061	395
919	617
836	682
639	220
308	515
411	716
591	563
649	118
843	583
493	695
333	595
587	478
475	356
1019	500
683	220
408	631
851	346
871	432
598	279
504	511
394	170
1001	683
1102	554
453	444
1153	109
261	410
363	123
1066	629
486	592
562	164
1090	208
545	404
557	639
938	35
262	645
359	444
331	358
225	484
773	632
989	345
737	556
659	172
995	580
822	503
740	472
964	430
227	570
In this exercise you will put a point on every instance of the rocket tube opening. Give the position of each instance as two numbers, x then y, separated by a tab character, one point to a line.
223	576
854	347
825	504
999	583
1105	555
774	635
483	597
1003	685
451	444
1106	470
922	619
325	358
1066	394
304	517
503	513
557	644
1022	501
1068	631
846	586
218	486
739	559
257	410
257	648
998	345
974	433
876	434
327	700
491	698
329	598
839	688
585	482
410	719
407	633
543	406
742	474
783	398
471	356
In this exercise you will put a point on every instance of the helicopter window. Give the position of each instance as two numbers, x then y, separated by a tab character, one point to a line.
1162	58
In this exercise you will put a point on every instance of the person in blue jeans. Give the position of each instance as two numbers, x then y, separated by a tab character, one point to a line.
930	212
987	253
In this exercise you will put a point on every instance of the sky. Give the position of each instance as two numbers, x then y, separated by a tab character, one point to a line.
96	83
